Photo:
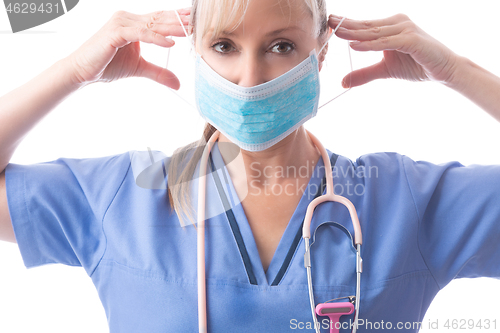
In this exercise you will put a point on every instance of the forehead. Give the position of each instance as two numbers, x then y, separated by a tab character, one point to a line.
254	17
283	10
269	13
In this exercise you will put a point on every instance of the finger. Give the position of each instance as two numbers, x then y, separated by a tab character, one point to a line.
165	29
142	34
401	43
371	33
164	16
169	30
158	74
161	16
365	75
184	11
333	20
157	27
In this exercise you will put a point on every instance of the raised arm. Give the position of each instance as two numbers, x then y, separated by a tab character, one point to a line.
20	111
478	85
22	108
112	53
411	54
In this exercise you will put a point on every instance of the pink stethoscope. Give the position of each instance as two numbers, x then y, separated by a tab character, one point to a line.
332	310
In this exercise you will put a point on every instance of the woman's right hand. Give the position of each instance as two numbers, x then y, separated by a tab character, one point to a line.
114	51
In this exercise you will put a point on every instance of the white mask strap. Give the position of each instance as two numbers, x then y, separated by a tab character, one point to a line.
180	21
333	33
191	105
185	32
168	56
350	61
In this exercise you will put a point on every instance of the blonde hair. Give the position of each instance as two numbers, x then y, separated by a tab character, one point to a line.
220	15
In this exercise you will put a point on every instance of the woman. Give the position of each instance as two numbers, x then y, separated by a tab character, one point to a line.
254	263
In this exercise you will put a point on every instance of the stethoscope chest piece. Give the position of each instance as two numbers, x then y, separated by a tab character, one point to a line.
334	311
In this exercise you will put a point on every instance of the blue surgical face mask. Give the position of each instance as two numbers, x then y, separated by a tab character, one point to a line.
256	118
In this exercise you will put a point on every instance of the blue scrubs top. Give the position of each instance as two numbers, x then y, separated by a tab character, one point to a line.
423	225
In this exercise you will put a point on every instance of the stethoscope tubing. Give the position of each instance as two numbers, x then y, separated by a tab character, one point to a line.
306	232
200	235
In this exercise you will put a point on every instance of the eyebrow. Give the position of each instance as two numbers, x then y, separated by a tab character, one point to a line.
269	34
277	32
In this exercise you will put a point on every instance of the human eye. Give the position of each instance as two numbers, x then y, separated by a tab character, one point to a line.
222	47
282	47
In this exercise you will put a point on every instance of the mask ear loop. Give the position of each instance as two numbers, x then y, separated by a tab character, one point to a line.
168	57
350	61
331	35
184	29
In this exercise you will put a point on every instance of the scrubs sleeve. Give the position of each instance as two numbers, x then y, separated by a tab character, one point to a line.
459	218
57	208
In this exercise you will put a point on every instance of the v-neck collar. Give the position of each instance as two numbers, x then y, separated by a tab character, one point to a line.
249	253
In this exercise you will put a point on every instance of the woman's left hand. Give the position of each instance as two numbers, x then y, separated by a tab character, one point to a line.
409	52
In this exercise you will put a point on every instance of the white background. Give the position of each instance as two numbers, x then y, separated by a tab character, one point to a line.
425	121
